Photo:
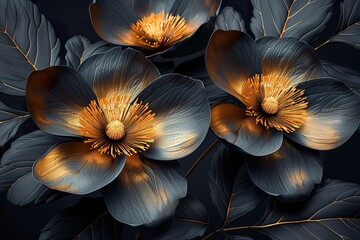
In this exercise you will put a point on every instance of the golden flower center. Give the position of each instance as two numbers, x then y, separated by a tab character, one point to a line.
274	102
158	30
115	126
115	130
270	105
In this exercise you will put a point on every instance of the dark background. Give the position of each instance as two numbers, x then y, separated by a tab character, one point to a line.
70	18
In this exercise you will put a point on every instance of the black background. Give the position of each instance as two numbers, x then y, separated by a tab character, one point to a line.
70	18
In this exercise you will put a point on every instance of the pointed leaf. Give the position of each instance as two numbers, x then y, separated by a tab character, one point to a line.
332	212
16	169
10	121
349	27
302	19
87	220
190	221
232	190
230	19
349	77
79	49
27	43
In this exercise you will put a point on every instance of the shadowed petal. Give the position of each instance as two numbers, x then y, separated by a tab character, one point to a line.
75	168
289	58
333	114
229	122
123	72
195	12
55	96
182	116
290	173
231	58
145	191
112	19
146	7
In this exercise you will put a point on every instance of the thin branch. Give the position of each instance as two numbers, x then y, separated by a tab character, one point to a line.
196	163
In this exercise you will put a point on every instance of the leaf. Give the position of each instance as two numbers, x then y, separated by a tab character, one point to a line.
16	169
232	190
349	77
348	31
10	121
331	213
86	220
27	43
230	19
302	19
79	49
190	221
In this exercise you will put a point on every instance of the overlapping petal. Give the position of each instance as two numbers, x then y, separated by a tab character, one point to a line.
145	191
289	173
231	58
195	12
229	122
333	114
74	167
112	19
289	58
122	72
182	116
55	96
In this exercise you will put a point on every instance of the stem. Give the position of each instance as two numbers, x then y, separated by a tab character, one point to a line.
138	236
196	163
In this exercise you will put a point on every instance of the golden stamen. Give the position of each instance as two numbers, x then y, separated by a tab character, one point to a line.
115	126
159	30
274	102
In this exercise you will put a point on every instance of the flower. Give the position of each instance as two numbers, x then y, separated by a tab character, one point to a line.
116	113
287	110
154	26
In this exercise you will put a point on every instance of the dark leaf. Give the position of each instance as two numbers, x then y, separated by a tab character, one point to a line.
233	237
349	77
302	19
27	43
230	19
190	221
349	26
87	220
331	213
232	190
79	49
16	169
10	121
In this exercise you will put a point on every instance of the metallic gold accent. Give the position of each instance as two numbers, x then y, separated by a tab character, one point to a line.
159	30
274	102
115	126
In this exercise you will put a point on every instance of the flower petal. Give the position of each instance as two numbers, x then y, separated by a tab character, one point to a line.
229	122
333	114
145	191
290	58
123	72
54	98
182	116
290	173
75	168
195	12
146	7
112	20
231	58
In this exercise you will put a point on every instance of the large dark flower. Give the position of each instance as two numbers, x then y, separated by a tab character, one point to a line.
117	112
152	25
281	93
